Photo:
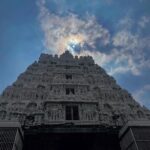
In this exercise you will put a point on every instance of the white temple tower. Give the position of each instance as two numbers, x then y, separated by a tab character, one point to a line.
67	90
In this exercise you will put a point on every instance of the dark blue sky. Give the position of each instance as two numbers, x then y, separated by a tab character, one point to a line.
115	32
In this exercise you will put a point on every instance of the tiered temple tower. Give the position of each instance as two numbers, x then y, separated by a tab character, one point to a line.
58	90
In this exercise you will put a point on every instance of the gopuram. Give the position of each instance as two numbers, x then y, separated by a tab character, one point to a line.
69	102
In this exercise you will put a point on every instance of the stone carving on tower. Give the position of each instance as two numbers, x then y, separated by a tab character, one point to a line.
67	89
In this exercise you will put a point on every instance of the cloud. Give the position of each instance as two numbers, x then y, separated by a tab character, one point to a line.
125	39
125	23
142	95
144	20
60	30
123	63
132	46
127	50
134	49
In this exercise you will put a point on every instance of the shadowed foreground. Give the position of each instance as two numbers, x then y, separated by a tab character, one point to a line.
71	141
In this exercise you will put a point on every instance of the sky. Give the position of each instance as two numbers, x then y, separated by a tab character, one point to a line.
115	33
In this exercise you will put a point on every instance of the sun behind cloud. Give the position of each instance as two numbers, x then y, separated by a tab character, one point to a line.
71	41
89	36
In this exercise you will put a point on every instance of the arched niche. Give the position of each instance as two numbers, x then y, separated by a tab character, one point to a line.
140	114
90	79
50	106
3	105
29	120
46	105
18	104
2	114
96	91
108	107
38	118
45	74
131	106
41	87
32	106
132	117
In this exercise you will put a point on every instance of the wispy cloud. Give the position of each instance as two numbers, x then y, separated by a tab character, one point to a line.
125	39
132	46
142	95
144	20
125	23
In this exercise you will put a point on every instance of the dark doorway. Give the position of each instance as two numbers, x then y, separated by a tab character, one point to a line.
71	141
72	112
70	91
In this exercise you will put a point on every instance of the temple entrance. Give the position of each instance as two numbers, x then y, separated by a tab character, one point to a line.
71	141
